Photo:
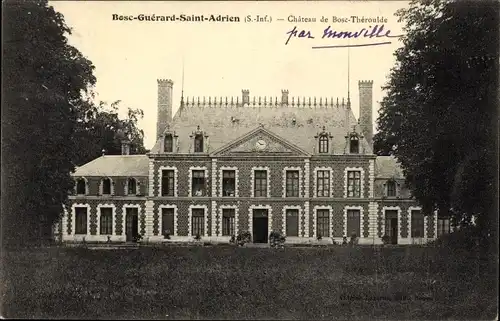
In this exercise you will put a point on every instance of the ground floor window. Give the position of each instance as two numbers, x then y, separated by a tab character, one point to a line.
198	222
292	222
353	223
417	224
81	220
228	221
106	221
443	226
323	222
167	221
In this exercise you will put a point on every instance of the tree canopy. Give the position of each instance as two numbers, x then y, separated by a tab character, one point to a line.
49	120
439	114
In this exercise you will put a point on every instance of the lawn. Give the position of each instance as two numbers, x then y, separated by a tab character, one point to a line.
224	282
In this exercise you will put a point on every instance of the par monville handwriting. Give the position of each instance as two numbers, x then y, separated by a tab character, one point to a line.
329	33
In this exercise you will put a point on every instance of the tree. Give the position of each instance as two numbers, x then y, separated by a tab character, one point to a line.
100	128
439	115
43	81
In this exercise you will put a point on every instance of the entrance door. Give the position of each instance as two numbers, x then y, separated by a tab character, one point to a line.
391	226
260	227
131	224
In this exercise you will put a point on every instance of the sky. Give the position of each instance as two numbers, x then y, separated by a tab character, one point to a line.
222	58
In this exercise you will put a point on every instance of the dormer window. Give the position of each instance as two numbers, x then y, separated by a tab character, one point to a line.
198	143
354	144
323	144
81	187
106	186
391	188
168	143
131	186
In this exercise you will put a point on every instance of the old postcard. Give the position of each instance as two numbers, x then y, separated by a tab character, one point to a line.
250	160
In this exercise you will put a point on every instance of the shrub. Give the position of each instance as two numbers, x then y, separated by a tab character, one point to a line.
354	239
197	237
166	234
344	240
319	237
243	237
386	239
276	240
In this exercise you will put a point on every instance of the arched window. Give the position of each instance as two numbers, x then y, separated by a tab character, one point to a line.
81	186
323	144
168	143
131	186
354	145
106	186
391	188
198	143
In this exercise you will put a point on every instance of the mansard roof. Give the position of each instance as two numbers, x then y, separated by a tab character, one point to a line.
115	165
388	167
296	124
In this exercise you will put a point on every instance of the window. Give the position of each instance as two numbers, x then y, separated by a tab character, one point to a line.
260	184
228	182
354	145
323	222
106	221
353	223
292	222
80	220
391	188
198	143
132	186
417	224
168	143
198	183
323	183
228	221
198	222
354	184
167	221
292	183
81	186
323	144
167	182
443	226
106	186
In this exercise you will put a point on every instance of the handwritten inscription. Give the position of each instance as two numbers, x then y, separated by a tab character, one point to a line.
329	33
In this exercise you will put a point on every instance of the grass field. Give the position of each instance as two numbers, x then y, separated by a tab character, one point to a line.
248	283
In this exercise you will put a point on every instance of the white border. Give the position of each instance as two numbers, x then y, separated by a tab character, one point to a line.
171	168
410	209
371	175
252	178
315	220
329	144
362	183
307	174
236	180
160	218
151	178
316	169
124	220
113	218
269	217
86	186
73	219
292	207
360	209
112	187
392	208
190	182
219	219
205	218
286	169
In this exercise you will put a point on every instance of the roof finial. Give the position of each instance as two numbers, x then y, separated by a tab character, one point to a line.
348	74
182	86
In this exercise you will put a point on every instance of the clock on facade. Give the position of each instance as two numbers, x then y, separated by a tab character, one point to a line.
261	144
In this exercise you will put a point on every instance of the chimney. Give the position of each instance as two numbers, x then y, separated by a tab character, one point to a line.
365	109
245	93
284	97
125	147
165	88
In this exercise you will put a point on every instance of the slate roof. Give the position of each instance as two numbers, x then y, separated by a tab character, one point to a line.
115	165
296	125
388	167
